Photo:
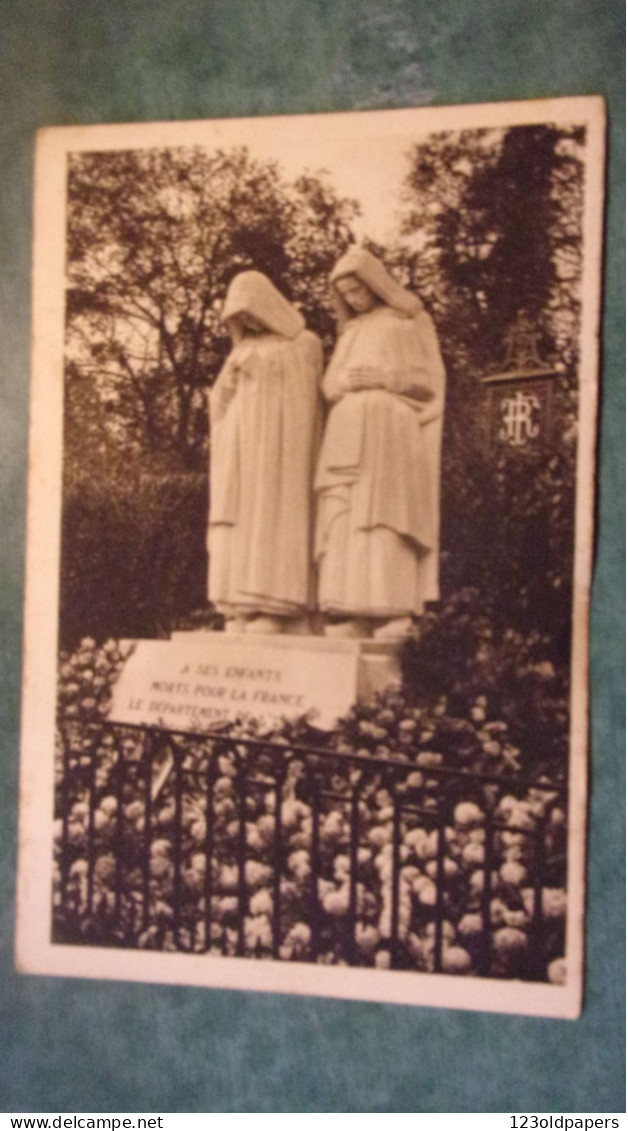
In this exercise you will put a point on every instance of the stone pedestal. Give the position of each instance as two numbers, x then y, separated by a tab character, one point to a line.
199	680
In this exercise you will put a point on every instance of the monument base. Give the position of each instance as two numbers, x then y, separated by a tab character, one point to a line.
199	680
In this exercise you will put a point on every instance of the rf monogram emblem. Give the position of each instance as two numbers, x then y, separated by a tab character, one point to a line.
519	413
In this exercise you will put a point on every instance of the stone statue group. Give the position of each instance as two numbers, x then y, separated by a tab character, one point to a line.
326	525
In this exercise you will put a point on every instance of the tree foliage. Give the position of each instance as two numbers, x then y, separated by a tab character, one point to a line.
494	224
154	238
499	215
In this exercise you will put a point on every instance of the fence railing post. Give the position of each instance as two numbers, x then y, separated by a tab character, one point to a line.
277	861
537	965
64	862
395	881
353	870
315	871
90	828
148	754
487	872
119	827
440	894
241	853
178	826
330	778
208	879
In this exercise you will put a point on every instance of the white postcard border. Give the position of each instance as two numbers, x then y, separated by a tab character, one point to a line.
34	952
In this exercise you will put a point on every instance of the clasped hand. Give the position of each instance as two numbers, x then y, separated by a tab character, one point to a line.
365	378
369	378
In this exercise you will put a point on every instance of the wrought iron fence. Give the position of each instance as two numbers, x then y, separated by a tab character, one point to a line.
251	847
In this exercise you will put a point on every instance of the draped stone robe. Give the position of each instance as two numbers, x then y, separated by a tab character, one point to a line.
378	478
264	410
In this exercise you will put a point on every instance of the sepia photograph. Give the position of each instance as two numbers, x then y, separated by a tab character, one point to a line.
310	542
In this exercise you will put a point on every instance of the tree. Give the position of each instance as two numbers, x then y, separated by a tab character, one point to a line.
500	220
154	238
494	220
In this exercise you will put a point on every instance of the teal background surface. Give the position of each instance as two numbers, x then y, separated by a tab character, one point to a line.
72	1045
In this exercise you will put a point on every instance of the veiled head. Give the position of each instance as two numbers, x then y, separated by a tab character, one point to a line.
356	294
253	298
246	325
362	267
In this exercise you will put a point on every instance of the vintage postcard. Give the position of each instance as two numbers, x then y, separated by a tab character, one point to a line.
310	541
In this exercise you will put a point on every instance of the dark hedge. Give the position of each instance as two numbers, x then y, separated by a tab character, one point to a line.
133	556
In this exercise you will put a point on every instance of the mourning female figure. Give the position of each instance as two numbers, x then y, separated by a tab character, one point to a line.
264	410
378	478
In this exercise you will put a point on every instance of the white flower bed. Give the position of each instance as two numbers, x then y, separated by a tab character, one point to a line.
165	876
